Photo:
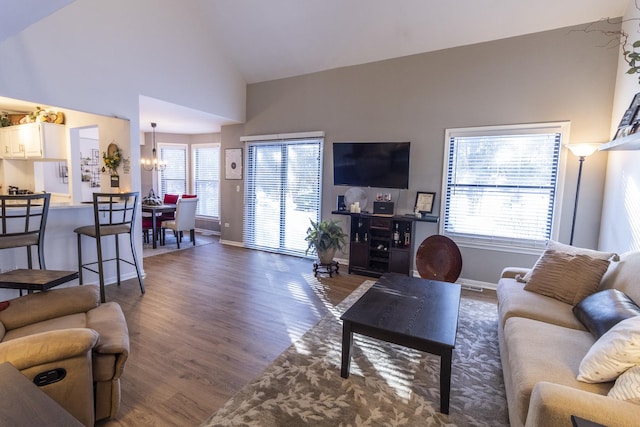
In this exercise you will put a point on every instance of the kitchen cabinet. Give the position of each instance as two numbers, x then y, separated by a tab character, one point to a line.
33	141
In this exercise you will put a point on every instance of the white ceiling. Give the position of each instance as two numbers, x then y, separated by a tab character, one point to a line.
274	39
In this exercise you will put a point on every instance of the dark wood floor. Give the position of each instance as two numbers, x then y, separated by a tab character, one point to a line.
212	319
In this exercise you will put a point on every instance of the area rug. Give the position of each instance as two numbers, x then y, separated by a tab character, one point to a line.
388	385
202	238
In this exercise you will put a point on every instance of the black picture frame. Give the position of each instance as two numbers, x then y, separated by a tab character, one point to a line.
424	201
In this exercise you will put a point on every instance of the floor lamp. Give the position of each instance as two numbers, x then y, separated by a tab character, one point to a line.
581	151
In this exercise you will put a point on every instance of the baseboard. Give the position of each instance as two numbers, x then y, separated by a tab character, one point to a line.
232	243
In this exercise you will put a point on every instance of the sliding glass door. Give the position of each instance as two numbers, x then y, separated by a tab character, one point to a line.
282	194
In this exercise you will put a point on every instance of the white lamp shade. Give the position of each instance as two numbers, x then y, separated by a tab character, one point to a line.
583	150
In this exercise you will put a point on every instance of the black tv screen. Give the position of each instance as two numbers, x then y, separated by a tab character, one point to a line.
371	164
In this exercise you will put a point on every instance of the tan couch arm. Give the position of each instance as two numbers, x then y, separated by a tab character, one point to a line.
108	320
47	347
41	306
512	272
553	404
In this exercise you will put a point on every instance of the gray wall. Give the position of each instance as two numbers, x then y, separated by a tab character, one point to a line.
550	76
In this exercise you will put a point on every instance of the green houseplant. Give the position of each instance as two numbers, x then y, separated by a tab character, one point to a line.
325	238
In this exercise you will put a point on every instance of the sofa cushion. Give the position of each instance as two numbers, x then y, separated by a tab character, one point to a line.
78	320
513	301
601	311
566	277
615	352
571	250
624	276
539	351
627	386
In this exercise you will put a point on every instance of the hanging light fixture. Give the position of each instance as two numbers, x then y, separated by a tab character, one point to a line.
154	163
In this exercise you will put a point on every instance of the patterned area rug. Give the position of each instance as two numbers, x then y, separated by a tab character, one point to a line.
388	385
202	238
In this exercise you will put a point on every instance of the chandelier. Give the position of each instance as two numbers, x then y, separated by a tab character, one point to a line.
154	163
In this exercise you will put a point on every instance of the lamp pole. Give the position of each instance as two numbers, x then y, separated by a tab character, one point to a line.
575	205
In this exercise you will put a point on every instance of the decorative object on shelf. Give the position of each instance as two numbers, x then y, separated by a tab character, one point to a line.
630	120
356	194
233	163
5	120
582	151
154	163
424	203
325	238
42	115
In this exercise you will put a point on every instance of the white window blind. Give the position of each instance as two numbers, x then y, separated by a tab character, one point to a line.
206	178
282	193
173	180
500	185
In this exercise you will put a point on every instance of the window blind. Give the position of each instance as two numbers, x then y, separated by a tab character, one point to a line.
206	178
173	180
282	193
501	187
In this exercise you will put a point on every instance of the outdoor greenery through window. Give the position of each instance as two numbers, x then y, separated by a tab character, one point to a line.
500	184
282	193
206	178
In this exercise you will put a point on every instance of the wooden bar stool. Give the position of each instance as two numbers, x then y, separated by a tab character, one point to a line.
114	214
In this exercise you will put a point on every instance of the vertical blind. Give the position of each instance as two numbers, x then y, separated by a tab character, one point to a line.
502	187
173	180
282	194
206	178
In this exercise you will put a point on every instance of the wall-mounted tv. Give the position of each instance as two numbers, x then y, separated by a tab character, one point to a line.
371	164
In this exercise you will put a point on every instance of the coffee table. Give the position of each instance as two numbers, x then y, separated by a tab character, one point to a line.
416	313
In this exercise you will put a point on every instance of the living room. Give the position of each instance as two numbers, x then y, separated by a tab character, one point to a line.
559	74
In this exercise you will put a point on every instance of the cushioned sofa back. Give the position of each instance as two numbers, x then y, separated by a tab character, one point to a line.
624	276
32	308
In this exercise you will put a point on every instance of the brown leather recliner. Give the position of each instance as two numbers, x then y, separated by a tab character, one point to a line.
69	329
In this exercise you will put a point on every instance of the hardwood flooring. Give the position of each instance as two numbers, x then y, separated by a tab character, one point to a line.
212	319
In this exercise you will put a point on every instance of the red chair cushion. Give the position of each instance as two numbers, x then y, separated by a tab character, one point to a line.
171	198
189	196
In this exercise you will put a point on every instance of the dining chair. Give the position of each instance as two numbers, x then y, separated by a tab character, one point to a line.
114	214
185	220
168	199
24	218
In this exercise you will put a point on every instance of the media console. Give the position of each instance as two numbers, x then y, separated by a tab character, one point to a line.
381	244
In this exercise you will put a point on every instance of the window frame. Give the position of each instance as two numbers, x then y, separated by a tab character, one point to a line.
505	244
183	146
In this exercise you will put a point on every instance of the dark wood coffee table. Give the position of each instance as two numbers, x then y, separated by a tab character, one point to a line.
416	313
35	280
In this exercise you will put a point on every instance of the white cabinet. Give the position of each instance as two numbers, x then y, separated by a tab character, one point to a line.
33	140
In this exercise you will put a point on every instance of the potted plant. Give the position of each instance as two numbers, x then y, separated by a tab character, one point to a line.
325	237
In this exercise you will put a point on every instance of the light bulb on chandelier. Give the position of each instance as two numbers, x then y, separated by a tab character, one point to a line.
154	163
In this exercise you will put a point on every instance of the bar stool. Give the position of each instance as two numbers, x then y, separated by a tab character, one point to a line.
114	214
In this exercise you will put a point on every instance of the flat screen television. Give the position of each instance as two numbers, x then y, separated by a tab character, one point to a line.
371	164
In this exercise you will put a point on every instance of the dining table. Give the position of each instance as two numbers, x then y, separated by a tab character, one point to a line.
155	210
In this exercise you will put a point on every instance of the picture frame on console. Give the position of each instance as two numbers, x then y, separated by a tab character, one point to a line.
424	202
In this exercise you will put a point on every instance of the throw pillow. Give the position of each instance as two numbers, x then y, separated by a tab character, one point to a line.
601	311
573	250
615	352
566	277
3	305
627	386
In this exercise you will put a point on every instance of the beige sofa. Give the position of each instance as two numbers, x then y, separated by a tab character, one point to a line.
542	344
69	329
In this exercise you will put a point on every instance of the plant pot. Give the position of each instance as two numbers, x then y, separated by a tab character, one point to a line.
326	256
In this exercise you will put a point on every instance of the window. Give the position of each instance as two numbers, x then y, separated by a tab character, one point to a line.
282	193
173	179
206	178
500	184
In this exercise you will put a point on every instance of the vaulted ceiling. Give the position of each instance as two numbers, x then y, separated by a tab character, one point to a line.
281	38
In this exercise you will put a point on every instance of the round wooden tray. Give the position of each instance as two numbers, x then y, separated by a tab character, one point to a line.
438	258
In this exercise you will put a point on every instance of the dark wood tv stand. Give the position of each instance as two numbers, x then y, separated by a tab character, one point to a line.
373	251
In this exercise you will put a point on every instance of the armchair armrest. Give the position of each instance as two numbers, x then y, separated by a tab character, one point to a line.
47	347
553	404
108	320
41	306
512	272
